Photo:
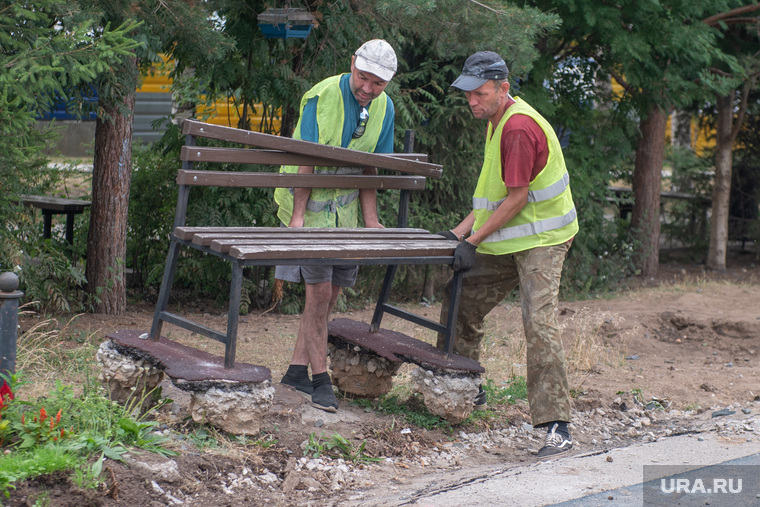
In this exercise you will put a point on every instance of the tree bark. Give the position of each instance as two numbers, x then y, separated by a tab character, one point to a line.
111	179
647	178
716	255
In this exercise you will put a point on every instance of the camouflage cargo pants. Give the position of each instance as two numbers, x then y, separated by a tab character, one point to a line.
537	272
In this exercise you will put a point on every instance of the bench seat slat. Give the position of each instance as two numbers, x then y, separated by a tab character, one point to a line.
45	202
247	239
364	250
224	245
186	233
343	156
285	180
269	157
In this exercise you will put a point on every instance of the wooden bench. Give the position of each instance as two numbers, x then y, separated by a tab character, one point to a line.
270	246
56	206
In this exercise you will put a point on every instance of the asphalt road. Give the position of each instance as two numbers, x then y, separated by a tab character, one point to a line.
699	469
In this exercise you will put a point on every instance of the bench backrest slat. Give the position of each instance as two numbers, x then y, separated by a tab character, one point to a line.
285	180
269	157
342	156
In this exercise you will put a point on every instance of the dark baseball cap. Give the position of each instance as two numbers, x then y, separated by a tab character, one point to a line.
479	68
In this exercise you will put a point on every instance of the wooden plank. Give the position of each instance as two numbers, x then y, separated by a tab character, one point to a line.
186	233
224	245
45	202
244	239
282	180
363	251
269	157
342	155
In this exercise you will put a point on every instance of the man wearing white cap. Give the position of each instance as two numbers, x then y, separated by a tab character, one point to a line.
519	231
351	111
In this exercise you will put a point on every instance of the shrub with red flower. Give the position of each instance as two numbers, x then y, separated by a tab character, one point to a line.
5	394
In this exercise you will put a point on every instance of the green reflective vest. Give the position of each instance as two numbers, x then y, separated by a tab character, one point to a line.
548	218
332	207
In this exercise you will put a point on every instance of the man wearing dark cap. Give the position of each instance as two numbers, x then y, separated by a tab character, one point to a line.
351	111
519	231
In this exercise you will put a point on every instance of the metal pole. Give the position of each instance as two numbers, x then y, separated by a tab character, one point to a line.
9	298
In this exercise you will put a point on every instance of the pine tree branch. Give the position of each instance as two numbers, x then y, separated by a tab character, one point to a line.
486	7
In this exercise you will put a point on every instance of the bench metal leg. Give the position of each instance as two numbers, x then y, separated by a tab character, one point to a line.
233	315
385	292
451	322
166	288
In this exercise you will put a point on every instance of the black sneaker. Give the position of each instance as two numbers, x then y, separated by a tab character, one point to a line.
556	443
324	398
480	400
301	384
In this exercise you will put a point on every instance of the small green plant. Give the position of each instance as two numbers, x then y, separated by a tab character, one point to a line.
409	406
202	438
510	392
337	447
88	477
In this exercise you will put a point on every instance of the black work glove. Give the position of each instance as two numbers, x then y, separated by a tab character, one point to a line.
448	235
464	256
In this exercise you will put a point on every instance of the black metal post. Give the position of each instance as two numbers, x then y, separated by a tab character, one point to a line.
9	298
390	273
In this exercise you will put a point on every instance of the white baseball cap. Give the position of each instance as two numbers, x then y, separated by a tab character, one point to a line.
377	57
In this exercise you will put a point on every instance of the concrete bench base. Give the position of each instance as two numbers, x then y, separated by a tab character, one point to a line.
233	400
363	364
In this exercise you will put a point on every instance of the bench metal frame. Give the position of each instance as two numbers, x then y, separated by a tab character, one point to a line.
299	153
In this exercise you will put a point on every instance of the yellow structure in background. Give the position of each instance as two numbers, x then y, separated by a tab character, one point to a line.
221	113
702	138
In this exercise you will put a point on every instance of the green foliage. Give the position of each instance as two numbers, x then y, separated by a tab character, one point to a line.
152	203
337	447
686	219
83	425
410	407
29	463
509	392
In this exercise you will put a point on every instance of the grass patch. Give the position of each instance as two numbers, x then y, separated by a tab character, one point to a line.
410	407
337	447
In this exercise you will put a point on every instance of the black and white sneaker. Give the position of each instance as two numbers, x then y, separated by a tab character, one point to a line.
556	443
480	400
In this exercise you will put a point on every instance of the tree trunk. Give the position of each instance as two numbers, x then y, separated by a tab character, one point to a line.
716	256
111	178
647	177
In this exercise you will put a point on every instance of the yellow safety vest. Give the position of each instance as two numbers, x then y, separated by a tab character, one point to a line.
332	207
548	218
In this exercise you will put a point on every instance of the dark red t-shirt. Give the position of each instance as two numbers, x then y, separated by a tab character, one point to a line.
524	150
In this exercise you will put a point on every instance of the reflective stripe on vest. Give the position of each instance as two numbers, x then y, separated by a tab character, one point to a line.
520	231
533	195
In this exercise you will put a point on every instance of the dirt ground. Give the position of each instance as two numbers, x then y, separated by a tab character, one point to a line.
689	339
